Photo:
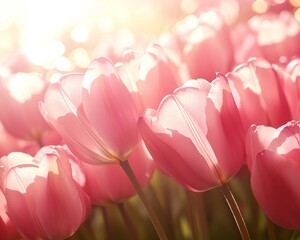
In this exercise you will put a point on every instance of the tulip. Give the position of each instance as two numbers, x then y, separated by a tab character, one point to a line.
7	229
18	62
97	118
8	143
198	43
291	86
258	93
260	35
94	113
19	97
43	199
112	46
275	171
148	77
196	136
107	184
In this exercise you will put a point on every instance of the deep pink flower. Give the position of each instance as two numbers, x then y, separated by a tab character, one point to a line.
196	136
258	93
43	199
109	184
7	229
94	113
275	171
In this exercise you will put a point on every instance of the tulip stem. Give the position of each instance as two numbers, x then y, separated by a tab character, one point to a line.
127	221
235	211
196	213
127	169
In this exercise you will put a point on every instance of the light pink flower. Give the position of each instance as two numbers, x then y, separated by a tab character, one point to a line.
275	171
259	38
291	86
196	136
258	93
43	200
94	113
148	76
201	44
20	115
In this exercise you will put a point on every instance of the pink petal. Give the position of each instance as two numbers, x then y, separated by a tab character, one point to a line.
109	108
275	184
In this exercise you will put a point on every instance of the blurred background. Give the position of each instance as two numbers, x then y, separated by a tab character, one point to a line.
64	35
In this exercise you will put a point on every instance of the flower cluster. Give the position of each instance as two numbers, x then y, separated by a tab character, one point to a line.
153	135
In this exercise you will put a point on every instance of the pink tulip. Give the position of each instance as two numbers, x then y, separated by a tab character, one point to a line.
275	171
19	97
109	184
43	200
94	113
200	45
261	34
7	229
8	143
3	230
196	136
257	90
18	62
149	76
112	46
291	86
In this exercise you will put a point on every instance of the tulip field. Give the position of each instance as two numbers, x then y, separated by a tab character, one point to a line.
149	119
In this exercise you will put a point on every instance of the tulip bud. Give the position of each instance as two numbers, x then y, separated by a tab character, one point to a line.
196	136
43	200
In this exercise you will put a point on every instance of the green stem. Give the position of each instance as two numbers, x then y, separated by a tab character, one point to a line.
108	230
235	211
193	214
197	216
295	235
271	230
127	169
131	230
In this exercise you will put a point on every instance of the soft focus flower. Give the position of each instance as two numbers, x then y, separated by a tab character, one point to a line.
109	184
43	199
18	62
94	113
196	134
114	45
257	90
291	86
259	38
19	97
275	171
8	143
149	76
202	44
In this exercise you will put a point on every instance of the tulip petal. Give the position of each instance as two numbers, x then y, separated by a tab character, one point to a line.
225	132
177	156
62	107
275	184
185	105
110	108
